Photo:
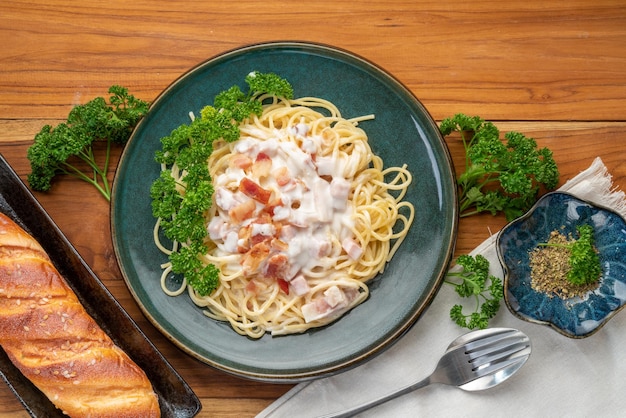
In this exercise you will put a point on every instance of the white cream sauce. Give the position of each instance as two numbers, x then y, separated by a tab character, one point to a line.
307	209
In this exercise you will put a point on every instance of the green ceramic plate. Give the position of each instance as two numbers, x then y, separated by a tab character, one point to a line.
402	132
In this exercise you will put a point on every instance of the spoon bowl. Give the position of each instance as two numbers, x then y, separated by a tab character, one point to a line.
474	361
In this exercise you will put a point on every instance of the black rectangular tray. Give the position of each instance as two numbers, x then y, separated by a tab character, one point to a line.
176	398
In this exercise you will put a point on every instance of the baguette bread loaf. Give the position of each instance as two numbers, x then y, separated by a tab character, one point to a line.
52	340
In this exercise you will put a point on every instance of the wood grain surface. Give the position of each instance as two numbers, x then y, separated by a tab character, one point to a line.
551	69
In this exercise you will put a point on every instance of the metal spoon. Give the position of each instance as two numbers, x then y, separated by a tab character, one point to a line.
475	361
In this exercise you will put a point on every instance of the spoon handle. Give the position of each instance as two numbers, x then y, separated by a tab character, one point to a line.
375	402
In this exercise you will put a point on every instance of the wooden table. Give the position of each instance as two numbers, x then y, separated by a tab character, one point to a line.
553	70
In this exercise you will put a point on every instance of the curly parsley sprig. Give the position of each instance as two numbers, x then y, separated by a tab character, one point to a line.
181	206
474	281
499	176
58	150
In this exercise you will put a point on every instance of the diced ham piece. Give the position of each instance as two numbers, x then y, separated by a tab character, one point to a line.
335	297
352	247
340	190
333	302
299	285
316	309
319	248
254	191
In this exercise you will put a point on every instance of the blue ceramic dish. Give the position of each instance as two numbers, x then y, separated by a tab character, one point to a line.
574	317
402	132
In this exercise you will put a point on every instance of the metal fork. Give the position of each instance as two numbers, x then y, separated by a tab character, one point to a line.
475	361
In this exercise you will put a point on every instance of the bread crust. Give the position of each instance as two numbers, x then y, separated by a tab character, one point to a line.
53	341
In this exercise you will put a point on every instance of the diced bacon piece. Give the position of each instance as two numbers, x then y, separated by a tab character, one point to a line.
299	285
252	260
262	166
340	190
254	191
277	266
261	230
282	176
271	206
284	285
261	156
242	211
256	239
240	161
319	248
352	247
245	240
279	245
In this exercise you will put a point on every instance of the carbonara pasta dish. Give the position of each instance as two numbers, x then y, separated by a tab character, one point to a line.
303	216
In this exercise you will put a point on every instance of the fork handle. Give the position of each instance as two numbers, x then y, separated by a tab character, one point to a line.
375	402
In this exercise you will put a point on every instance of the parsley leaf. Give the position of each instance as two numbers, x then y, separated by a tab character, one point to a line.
60	149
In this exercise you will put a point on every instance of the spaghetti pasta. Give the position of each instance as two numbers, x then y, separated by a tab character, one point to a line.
303	216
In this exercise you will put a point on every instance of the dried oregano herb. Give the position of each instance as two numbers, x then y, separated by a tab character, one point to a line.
551	267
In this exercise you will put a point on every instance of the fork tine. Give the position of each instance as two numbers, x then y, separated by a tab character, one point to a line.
499	354
493	337
492	368
496	345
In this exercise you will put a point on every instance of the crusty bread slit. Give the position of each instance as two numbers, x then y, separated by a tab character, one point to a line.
51	339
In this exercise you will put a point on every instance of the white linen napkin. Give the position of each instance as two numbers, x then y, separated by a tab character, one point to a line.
563	377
